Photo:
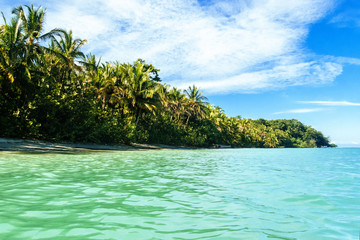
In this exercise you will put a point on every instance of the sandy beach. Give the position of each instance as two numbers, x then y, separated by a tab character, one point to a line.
42	146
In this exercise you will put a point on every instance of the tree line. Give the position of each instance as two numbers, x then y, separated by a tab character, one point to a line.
51	90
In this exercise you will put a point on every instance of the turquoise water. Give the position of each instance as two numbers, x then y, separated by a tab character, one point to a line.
197	194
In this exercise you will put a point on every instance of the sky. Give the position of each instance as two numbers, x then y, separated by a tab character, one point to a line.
271	59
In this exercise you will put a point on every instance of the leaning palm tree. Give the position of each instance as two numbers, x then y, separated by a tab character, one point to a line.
65	47
68	47
12	49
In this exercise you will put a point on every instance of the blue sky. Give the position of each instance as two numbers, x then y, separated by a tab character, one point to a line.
255	58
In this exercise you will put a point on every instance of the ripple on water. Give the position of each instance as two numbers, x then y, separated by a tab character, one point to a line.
208	194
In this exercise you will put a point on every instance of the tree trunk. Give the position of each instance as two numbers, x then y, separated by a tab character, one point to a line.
136	123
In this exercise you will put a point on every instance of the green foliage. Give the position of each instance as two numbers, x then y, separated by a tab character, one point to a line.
51	90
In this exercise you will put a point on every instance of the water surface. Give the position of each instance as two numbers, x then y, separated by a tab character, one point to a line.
169	194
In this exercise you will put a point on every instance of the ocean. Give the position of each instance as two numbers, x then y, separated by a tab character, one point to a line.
181	194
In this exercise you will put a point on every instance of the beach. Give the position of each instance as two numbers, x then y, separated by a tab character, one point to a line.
7	144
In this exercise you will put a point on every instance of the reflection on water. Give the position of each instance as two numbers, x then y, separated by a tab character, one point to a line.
197	194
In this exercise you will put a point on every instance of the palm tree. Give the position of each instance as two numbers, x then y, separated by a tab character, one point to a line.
107	89
19	58
65	47
20	46
178	104
12	49
32	22
68	47
90	63
141	94
217	116
197	103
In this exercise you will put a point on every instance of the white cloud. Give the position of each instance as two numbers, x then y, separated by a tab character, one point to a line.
226	46
348	18
305	73
331	103
345	60
302	110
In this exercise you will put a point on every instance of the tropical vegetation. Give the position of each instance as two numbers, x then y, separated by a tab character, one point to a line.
51	90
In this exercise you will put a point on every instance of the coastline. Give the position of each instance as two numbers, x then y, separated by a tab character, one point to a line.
24	145
28	145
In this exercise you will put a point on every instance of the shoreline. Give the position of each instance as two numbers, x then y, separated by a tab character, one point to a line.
26	145
39	146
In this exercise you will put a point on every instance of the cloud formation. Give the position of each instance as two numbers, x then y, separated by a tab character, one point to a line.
321	103
331	103
302	110
221	46
348	18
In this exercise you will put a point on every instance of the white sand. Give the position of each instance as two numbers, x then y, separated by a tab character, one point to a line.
41	146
